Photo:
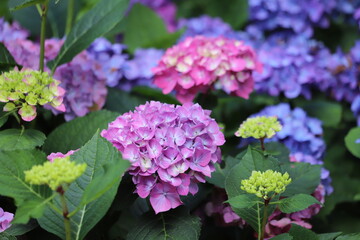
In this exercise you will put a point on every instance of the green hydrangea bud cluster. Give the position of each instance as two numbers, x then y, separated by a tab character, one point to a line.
263	183
259	127
25	89
54	174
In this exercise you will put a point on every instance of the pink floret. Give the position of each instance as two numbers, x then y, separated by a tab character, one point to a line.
5	220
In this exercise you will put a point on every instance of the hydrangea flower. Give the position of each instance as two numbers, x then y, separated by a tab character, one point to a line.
199	63
82	78
52	156
137	71
5	220
25	89
166	9
171	149
297	16
259	127
292	64
10	32
263	183
56	173
302	135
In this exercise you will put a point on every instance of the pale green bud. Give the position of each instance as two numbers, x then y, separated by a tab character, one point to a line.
259	127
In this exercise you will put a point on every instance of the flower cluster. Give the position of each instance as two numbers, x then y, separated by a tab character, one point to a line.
297	16
292	64
171	149
263	183
302	135
259	127
200	63
5	220
279	222
25	89
11	32
164	8
56	173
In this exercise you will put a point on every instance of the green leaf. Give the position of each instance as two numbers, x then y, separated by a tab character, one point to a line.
7	236
20	4
121	101
300	233
284	236
155	94
150	30
21	229
13	164
352	236
243	201
95	23
176	224
296	203
351	141
32	208
101	184
278	150
15	139
329	113
74	134
3	117
96	153
304	178
218	177
329	236
7	61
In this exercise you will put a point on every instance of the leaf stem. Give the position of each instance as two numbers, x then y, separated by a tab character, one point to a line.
44	10
262	143
264	221
65	213
70	16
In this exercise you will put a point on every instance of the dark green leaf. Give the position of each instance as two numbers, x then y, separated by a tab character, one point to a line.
284	236
74	134
20	229
20	4
352	236
7	62
150	30
121	101
243	201
96	153
155	94
329	236
32	208
218	177
328	112
101	184
300	233
304	178
3	117
7	236
15	139
296	203
177	224
278	150
95	23
352	141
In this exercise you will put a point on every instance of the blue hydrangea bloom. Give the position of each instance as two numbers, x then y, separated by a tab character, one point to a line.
295	15
10	32
302	135
292	65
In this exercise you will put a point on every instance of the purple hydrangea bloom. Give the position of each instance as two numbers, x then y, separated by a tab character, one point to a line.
347	6
355	107
291	65
137	71
112	60
165	8
5	220
11	32
298	16
171	149
302	135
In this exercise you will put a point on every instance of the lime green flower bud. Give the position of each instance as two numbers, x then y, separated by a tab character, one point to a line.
9	107
263	183
55	174
259	127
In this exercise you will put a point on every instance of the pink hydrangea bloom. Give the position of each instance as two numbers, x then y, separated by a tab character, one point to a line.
5	220
52	156
171	149
200	63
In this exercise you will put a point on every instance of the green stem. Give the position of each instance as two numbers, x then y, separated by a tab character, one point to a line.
70	16
65	212
44	10
264	221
